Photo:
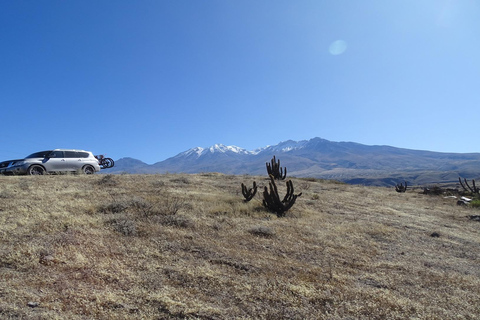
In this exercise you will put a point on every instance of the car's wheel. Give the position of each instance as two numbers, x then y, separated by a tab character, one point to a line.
36	170
88	170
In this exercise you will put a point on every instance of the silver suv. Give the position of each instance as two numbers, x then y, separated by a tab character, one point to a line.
52	161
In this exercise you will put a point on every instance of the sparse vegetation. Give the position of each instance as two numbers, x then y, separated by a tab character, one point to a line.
187	247
274	169
249	193
467	188
262	231
400	187
475	203
271	198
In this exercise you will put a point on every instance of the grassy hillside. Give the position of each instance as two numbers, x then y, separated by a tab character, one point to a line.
187	246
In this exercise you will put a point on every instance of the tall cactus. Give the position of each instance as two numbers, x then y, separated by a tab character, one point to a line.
274	169
249	193
472	190
271	199
400	187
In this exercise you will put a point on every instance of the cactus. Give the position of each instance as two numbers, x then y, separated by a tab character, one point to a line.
472	190
273	168
400	187
249	193
271	199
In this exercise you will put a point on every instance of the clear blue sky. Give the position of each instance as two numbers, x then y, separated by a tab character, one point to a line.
150	79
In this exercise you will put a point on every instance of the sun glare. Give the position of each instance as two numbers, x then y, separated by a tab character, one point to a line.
337	47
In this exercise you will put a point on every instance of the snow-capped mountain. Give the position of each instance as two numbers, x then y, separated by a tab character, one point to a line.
217	148
286	146
320	158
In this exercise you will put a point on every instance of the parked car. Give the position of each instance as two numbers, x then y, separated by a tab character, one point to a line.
52	161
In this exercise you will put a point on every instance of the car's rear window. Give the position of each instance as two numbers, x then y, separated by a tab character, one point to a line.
76	154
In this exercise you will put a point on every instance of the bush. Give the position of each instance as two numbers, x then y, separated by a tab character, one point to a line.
169	205
475	203
137	205
177	221
262	231
124	226
108	181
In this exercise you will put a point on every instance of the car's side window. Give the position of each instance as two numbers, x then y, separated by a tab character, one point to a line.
56	154
82	154
70	154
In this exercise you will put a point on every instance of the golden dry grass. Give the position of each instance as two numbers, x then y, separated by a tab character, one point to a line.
188	247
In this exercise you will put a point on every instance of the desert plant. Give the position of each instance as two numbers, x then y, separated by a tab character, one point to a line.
113	207
179	221
433	190
169	205
271	199
400	187
135	204
472	190
249	193
124	226
274	169
262	231
108	181
475	203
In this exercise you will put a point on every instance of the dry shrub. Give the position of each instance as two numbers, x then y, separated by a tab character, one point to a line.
5	194
170	205
108	180
158	184
180	221
181	180
113	207
123	225
135	204
262	231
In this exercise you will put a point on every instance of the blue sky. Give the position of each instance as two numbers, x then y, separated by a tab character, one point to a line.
150	79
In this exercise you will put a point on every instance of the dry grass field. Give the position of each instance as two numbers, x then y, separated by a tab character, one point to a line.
188	247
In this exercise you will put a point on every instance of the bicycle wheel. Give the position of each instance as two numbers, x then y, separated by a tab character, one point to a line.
108	162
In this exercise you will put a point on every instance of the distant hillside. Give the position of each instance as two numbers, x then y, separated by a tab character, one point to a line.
319	158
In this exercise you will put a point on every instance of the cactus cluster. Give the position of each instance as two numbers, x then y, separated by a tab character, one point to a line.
472	190
271	198
274	169
249	193
400	187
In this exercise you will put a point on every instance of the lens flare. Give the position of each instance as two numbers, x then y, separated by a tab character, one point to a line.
337	47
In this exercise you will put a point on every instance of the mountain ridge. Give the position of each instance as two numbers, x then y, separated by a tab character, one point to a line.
350	162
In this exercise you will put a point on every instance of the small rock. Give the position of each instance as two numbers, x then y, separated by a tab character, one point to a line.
435	235
33	304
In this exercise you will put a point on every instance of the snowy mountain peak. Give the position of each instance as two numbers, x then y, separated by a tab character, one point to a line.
216	148
219	148
223	149
193	151
286	146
